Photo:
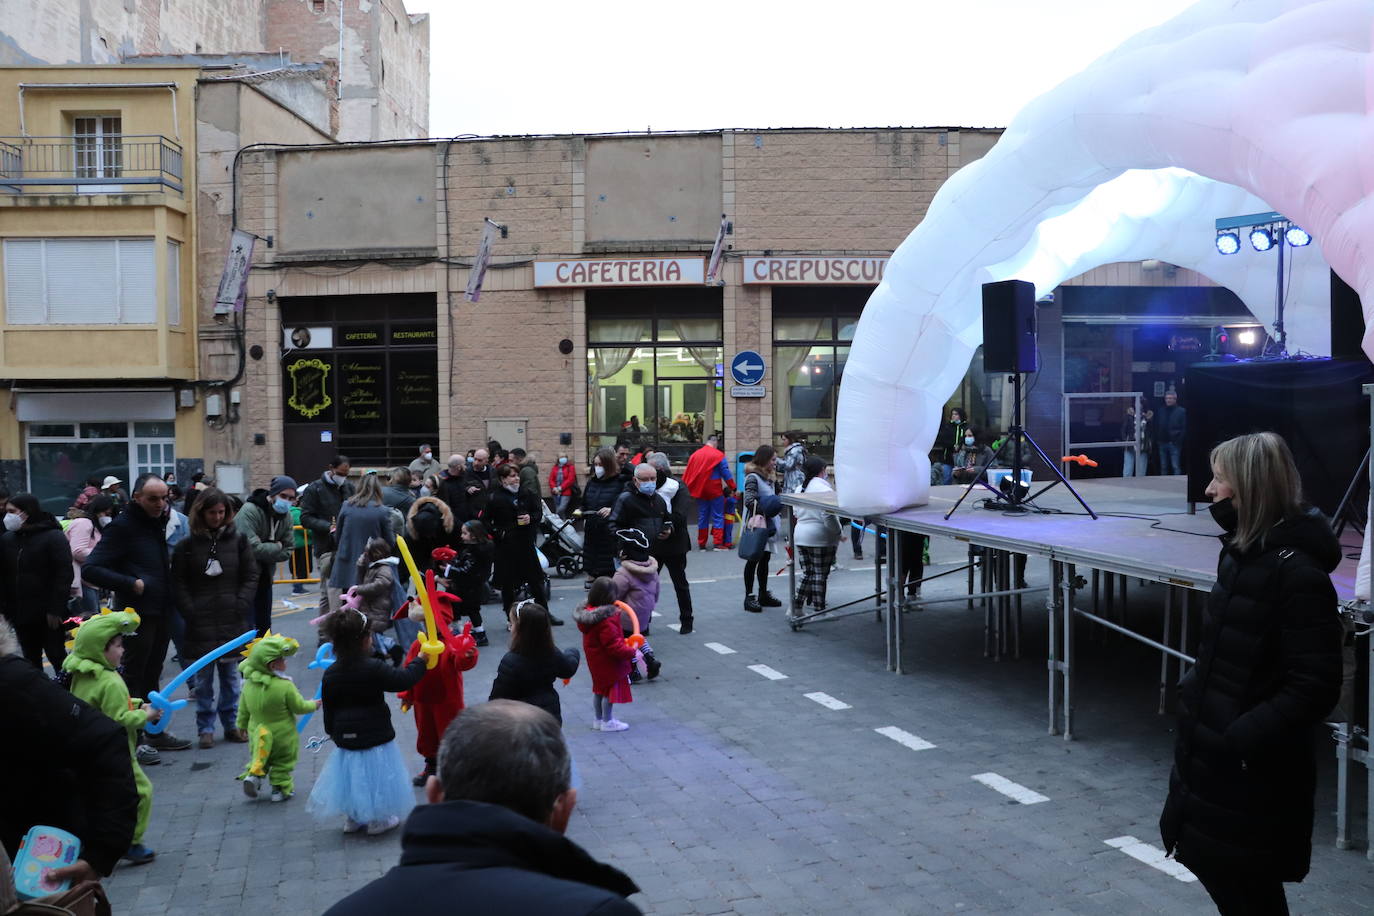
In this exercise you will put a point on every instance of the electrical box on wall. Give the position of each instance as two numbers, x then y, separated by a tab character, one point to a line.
214	406
229	478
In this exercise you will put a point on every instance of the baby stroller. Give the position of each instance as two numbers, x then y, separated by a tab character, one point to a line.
562	545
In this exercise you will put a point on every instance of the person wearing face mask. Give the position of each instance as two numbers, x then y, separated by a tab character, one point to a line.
215	578
639	507
562	485
83	533
36	569
425	465
1240	806
513	518
816	535
972	456
671	552
265	523
320	506
603	488
478	482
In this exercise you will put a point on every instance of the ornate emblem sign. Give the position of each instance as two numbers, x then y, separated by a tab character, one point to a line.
309	386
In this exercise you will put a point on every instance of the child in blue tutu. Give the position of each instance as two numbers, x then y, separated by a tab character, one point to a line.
365	780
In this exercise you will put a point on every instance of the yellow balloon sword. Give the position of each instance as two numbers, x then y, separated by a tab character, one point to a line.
431	646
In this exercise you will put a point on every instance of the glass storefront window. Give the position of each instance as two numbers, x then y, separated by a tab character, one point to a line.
63	456
810	347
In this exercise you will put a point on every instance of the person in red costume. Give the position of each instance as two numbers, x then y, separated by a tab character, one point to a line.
438	698
707	478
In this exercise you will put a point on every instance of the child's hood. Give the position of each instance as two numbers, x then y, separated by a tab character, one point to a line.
641	569
588	617
385	561
87	649
262	652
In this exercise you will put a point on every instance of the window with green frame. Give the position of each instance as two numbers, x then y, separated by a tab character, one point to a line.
812	330
654	369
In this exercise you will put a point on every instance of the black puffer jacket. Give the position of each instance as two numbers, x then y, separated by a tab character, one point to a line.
36	568
468	574
634	509
598	546
679	502
530	679
1268	670
132	547
215	608
429	525
356	715
320	505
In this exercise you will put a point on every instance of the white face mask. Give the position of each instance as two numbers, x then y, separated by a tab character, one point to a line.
513	487
105	520
599	471
427	455
13	521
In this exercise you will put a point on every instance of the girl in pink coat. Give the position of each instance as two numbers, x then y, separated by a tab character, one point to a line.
609	657
636	581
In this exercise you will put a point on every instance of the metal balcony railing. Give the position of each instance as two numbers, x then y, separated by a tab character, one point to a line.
100	164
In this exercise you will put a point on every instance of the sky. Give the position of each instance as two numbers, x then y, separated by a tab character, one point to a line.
537	66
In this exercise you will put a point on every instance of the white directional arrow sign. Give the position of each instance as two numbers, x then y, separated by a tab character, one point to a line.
747	367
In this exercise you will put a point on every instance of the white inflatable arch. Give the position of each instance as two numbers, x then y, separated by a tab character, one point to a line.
1234	106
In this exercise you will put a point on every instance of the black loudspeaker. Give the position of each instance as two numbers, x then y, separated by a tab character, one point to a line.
1316	405
1347	321
636	376
1010	343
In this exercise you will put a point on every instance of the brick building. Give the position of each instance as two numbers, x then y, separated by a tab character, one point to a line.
595	311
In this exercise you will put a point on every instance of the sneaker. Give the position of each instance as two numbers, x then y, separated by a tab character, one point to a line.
751	604
481	638
166	741
635	676
147	756
859	555
281	795
596	725
298	589
138	854
236	735
251	785
377	828
613	725
654	666
207	740
352	826
768	599
556	621
728	546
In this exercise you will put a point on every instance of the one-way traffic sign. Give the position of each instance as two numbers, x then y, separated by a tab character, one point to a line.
747	367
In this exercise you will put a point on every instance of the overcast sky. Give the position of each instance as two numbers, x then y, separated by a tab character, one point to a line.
551	66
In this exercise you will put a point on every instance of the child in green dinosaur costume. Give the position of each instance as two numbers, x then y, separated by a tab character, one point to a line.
95	655
268	709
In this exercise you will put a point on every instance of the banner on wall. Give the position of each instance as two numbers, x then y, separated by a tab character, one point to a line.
479	264
233	283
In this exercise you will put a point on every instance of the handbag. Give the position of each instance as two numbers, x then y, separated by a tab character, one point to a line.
753	543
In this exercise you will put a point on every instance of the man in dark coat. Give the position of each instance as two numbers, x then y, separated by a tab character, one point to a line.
492	833
1171	430
671	552
1240	805
478	482
73	773
35	579
320	505
640	507
397	494
132	559
452	490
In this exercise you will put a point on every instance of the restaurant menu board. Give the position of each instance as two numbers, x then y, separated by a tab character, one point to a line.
362	393
414	391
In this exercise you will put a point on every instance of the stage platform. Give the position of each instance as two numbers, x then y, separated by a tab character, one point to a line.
1143	531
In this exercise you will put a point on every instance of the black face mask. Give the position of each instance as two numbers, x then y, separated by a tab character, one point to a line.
1224	513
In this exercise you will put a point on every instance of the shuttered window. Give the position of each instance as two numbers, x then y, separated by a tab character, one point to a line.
174	284
80	281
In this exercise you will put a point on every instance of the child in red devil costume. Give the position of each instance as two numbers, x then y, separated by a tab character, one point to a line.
438	698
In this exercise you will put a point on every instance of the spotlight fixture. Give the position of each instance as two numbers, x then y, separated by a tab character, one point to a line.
1246	338
1297	237
1261	239
1228	242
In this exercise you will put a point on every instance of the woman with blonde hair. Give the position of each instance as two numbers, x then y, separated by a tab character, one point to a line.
1240	807
362	517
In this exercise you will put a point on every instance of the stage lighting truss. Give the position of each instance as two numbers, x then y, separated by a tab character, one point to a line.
1265	231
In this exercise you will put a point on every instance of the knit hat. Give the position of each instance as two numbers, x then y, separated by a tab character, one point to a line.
634	544
279	483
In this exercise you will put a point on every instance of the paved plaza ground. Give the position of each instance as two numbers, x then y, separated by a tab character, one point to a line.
835	787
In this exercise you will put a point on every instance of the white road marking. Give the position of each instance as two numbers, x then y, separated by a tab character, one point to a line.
855	568
1151	856
904	738
768	672
827	700
674	626
717	647
655	614
1012	790
700	581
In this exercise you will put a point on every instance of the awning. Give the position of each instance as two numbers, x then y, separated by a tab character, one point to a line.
93	405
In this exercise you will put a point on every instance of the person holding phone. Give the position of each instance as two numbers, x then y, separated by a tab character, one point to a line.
512	516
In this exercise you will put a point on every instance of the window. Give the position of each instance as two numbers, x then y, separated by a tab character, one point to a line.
98	147
654	369
63	456
80	281
812	328
174	284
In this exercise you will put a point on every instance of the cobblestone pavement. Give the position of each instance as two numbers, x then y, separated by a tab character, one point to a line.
738	791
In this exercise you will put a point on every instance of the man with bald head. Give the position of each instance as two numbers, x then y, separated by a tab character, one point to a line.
492	832
477	483
133	561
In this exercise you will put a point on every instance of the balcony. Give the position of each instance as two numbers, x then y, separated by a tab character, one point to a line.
105	164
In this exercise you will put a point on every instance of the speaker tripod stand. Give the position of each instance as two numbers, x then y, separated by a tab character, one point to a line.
1016	498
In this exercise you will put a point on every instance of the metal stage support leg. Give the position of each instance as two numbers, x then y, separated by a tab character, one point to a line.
1183	632
1004	608
1069	572
1016	629
792	609
1097	602
972	566
879	552
1111	601
986	579
1345	809
1052	601
896	574
1368	763
1164	656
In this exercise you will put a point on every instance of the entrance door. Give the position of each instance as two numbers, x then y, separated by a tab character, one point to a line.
306	456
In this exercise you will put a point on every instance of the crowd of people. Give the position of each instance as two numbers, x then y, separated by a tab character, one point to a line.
191	576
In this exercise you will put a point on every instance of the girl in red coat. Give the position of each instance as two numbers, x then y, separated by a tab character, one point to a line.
609	657
438	698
